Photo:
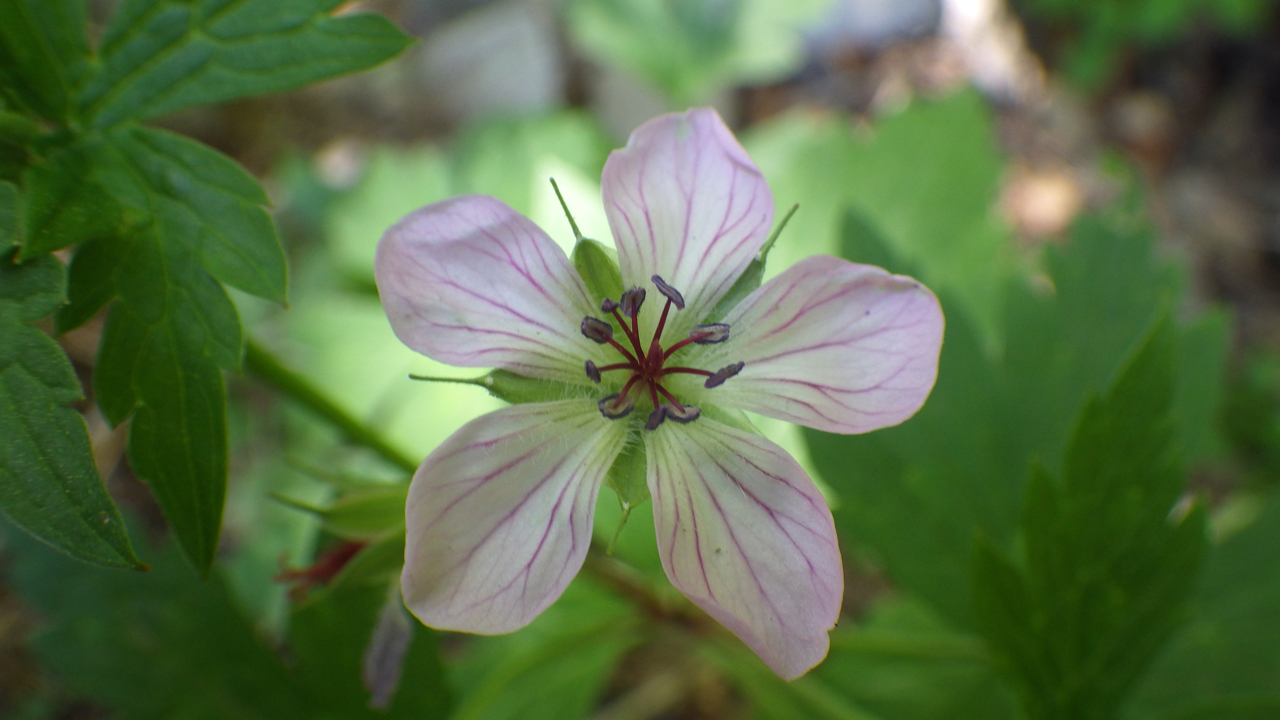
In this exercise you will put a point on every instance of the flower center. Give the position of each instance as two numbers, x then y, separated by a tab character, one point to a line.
647	368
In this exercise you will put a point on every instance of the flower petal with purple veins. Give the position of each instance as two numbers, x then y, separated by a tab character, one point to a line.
471	282
745	535
685	202
499	516
832	345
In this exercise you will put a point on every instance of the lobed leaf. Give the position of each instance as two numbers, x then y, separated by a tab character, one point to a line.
329	637
921	490
64	204
43	55
49	484
158	56
1105	570
164	644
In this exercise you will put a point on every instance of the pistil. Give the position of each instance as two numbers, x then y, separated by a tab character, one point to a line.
650	367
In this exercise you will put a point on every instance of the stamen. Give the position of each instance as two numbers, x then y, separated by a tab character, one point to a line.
684	415
616	406
672	294
710	333
630	333
607	306
593	372
597	330
703	335
656	417
631	301
723	374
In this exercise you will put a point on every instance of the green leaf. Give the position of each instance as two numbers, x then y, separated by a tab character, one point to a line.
1224	662
209	201
775	699
64	203
152	646
194	216
555	668
43	54
329	637
914	496
16	134
598	266
10	227
1106	570
163	347
164	644
903	662
90	284
49	485
158	56
927	178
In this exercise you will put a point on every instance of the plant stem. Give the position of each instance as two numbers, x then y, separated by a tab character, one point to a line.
268	367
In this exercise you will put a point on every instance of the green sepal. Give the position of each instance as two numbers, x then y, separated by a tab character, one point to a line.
627	477
598	266
379	561
365	515
750	278
516	389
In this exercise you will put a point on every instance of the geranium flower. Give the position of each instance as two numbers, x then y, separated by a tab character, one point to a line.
499	516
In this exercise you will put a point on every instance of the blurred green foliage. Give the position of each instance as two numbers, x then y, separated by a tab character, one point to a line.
1100	31
164	644
691	49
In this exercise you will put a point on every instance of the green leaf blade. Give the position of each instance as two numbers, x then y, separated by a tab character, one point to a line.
164	345
159	56
49	484
207	199
64	204
43	54
1106	571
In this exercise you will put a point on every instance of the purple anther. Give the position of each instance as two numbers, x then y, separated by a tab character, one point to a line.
683	415
672	294
593	372
607	306
597	330
631	301
657	416
614	407
723	374
713	332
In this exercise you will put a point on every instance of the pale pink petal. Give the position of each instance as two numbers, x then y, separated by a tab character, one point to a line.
685	202
745	535
832	345
499	516
473	283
